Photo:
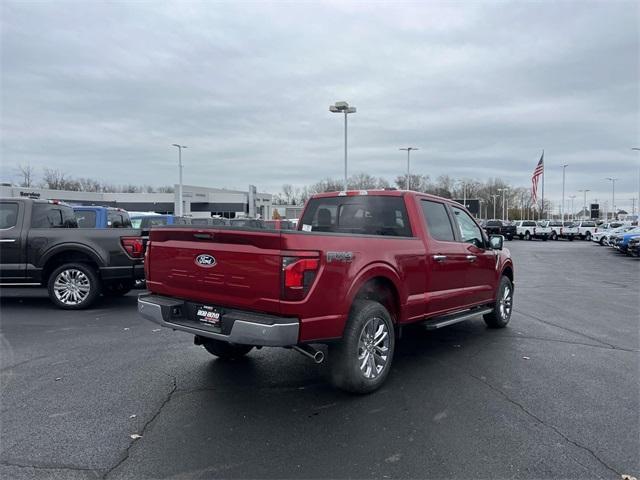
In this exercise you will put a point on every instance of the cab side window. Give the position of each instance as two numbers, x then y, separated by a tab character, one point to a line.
8	215
469	231
438	222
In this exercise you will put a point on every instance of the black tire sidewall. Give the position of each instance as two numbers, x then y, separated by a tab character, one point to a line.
94	285
345	370
494	319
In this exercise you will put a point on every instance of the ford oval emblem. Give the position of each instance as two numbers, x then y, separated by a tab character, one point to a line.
205	260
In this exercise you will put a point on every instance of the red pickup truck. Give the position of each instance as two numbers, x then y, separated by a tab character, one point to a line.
361	265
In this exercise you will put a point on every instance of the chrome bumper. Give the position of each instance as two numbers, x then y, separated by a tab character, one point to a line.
282	332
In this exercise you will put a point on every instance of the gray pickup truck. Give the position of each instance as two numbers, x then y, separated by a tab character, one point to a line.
41	244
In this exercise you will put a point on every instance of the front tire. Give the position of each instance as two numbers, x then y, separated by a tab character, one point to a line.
587	237
226	350
361	361
501	314
527	236
554	236
74	286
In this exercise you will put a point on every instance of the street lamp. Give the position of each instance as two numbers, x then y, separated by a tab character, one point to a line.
613	196
408	149
495	195
504	199
572	214
564	167
481	201
585	201
179	147
638	149
343	107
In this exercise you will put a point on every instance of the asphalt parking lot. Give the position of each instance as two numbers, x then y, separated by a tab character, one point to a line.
555	395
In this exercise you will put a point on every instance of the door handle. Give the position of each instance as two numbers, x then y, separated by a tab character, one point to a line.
7	240
471	258
440	258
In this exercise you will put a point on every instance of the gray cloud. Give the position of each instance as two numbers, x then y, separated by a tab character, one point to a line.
103	89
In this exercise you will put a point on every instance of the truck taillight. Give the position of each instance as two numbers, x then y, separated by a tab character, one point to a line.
298	275
134	246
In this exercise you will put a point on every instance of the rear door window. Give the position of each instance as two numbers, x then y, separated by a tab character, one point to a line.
438	221
358	215
8	215
45	215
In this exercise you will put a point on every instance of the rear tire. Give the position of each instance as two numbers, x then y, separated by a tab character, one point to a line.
554	236
527	236
226	350
501	314
587	237
74	286
361	361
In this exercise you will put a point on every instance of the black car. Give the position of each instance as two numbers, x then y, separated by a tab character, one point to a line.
500	227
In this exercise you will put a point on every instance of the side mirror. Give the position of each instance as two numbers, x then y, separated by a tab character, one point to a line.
496	242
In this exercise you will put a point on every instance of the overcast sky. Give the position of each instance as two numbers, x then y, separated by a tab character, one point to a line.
102	90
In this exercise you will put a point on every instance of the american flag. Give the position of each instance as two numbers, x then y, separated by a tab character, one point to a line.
537	173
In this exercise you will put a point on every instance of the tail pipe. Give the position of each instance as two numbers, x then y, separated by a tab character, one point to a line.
308	351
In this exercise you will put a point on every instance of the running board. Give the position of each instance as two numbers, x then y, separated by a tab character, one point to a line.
445	321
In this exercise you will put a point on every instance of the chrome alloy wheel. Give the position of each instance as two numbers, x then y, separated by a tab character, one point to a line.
373	348
506	303
71	287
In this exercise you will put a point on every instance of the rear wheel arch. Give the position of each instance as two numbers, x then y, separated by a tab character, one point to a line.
61	257
382	290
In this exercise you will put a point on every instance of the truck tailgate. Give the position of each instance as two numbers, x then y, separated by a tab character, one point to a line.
234	268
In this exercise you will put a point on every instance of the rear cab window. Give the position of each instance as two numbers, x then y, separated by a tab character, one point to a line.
358	215
116	219
8	215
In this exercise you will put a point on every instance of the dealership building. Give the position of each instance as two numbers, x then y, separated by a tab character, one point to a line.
197	201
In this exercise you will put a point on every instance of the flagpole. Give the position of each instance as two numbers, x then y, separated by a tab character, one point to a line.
543	169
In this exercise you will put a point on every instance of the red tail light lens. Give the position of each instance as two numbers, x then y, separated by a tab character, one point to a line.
298	276
134	246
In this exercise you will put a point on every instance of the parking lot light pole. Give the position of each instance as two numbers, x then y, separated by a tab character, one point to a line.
564	167
613	196
343	107
638	149
494	204
584	206
180	147
408	149
504	197
572	212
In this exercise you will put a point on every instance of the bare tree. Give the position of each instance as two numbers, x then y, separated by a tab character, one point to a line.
287	193
54	179
28	173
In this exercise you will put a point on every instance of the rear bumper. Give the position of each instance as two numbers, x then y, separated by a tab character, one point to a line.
246	328
129	272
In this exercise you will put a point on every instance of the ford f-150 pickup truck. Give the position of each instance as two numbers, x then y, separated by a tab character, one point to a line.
41	244
362	266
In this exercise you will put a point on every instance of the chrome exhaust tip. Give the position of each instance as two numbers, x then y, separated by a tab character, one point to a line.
316	355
